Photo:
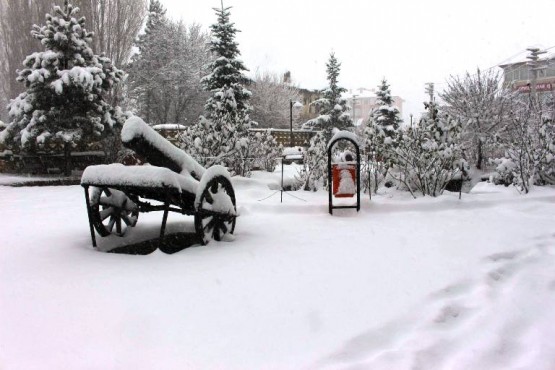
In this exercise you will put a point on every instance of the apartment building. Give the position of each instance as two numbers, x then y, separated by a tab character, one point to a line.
518	74
363	101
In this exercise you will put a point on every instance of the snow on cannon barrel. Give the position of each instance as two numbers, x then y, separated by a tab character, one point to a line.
344	174
157	150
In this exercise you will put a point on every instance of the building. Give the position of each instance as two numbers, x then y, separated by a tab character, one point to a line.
363	101
309	110
518	74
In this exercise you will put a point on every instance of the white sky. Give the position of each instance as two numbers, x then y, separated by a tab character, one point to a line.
408	42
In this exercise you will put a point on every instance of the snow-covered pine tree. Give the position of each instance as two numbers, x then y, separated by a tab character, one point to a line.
333	108
381	135
156	17
63	104
333	114
221	136
386	116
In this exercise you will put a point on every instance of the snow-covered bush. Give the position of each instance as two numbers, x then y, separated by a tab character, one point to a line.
64	103
264	149
314	173
428	155
530	145
480	103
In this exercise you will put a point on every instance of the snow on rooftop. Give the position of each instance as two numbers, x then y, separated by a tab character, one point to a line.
359	93
522	56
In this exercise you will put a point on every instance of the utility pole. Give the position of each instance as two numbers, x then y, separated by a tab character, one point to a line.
354	104
290	123
535	65
430	91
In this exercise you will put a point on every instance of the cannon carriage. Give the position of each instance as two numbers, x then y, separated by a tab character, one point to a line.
172	181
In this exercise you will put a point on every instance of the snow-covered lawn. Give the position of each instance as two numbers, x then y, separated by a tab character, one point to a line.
403	284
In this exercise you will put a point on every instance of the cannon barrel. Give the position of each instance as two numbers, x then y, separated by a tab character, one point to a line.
157	150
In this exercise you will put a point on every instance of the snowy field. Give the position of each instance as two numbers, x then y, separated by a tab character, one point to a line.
404	284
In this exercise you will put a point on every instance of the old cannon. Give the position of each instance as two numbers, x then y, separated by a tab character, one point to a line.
172	182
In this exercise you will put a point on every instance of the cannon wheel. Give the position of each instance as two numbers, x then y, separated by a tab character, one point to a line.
216	211
109	207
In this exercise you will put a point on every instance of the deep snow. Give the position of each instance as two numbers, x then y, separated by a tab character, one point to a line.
427	283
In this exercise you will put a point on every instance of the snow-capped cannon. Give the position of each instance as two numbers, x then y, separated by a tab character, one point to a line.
116	193
344	174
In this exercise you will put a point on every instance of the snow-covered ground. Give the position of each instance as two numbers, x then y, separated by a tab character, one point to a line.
404	284
6	179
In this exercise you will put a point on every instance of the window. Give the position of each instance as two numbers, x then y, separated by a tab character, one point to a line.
509	75
524	73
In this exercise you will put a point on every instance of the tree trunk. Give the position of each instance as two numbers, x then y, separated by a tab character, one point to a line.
479	155
67	157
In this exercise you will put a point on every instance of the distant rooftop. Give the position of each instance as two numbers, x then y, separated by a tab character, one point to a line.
522	57
361	92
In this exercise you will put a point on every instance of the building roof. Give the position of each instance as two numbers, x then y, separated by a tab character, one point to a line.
521	58
361	92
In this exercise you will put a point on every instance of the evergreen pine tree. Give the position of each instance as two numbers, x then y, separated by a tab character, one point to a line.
221	136
381	135
156	17
386	116
333	108
63	105
333	114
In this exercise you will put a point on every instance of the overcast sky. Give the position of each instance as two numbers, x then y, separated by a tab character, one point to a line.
408	42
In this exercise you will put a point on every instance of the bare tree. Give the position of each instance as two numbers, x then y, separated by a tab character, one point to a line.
16	21
529	144
187	68
164	77
270	100
480	103
114	22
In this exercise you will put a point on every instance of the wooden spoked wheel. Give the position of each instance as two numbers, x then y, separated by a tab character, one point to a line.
216	211
112	211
